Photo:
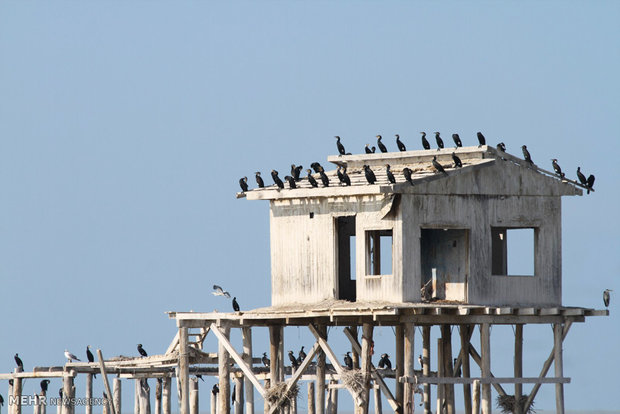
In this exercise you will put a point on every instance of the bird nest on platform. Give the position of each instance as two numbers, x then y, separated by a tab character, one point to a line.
353	379
508	403
278	392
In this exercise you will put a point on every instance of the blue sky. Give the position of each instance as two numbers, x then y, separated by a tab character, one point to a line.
124	127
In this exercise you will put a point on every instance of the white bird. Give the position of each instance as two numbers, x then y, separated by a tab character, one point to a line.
218	291
606	297
70	357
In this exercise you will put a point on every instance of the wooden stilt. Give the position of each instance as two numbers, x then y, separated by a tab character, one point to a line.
367	350
266	407
246	334
311	405
399	362
183	379
446	334
10	394
320	374
116	395
281	360
440	373
559	369
145	397
41	406
408	368
464	332
274	354
158	392
476	402
426	369
293	406
239	395
136	397
213	403
166	395
58	408
333	399
105	408
193	396
224	373
518	366
17	393
485	350
378	404
355	356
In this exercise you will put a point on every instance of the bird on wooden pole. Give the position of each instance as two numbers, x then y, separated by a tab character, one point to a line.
291	357
606	297
457	140
457	161
266	362
44	384
369	150
141	351
581	177
311	179
301	355
380	144
526	154
389	174
218	291
590	182
90	357
439	141
385	362
348	361
407	173
481	139
556	168
400	144
215	390
370	175
243	183
259	180
438	166
276	180
235	305
425	142
70	357
19	362
341	149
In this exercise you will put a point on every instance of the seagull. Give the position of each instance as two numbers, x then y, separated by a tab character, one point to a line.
481	139
44	384
235	305
19	362
70	357
265	360
348	361
218	291
385	362
606	297
141	350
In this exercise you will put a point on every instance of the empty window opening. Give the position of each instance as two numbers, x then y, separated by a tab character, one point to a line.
379	247
513	251
345	257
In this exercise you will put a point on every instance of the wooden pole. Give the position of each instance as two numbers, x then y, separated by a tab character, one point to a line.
281	360
367	350
518	366
88	408
274	354
246	334
224	374
320	374
183	379
239	395
408	369
104	375
440	373
333	398
136	396
446	334
559	369
355	356
378	405
311	406
213	403
17	393
464	333
193	396
476	402
166	400
145	397
485	351
59	407
426	368
10	394
399	360
116	394
105	408
67	392
158	392
266	402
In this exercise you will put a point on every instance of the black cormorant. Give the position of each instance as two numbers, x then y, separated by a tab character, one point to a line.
400	144
348	361
501	147
301	356
60	393
141	350
291	181
370	176
590	182
438	166
526	155
198	376
457	140
382	147
259	180
19	362
481	139
276	180
556	168
311	179
407	173
1	400
606	297
316	167
457	161
385	362
341	149
235	305
324	177
291	357
89	355
425	142
70	357
215	390
266	361
44	384
243	183
581	177
389	174
369	150
296	171
439	141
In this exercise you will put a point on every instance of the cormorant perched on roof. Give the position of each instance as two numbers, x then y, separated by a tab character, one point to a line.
425	142
141	350
439	141
457	161
400	144
70	357
218	291
481	139
438	166
296	171
311	179
501	147
382	147
343	176
582	178
370	176
215	390
457	140
291	181
235	305
341	149
259	180
385	362
89	355
301	356
590	182
266	361
348	361
556	168
316	167
243	183
44	384
407	173
291	357
19	362
389	174
526	154
369	150
606	297
324	177
276	180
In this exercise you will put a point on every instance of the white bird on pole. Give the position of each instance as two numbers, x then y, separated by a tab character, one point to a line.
218	291
606	297
70	357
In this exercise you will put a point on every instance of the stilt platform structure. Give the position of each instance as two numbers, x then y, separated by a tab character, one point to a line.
429	252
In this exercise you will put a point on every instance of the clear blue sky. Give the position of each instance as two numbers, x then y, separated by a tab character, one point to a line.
124	127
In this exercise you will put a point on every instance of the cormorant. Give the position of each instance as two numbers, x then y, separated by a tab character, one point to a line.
526	154
385	362
341	149
481	139
556	168
291	181
266	361
197	376
407	173
311	179
439	141
421	362
243	183
235	305
590	182
382	147
70	357
425	142
324	177
1	400
218	291
606	297
44	384
438	166
141	350
457	373
501	147
215	390
276	179
343	176
302	355
582	178
233	394
400	144
369	150
296	171
259	180
19	362
370	176
89	355
457	140
348	361
316	167
390	176
60	392
457	161
291	357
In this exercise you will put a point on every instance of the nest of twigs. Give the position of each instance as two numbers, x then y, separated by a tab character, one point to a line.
508	404
353	379
278	392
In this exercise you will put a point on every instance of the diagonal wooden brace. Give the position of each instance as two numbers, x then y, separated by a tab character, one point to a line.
476	356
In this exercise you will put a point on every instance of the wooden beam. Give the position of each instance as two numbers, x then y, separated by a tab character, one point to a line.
311	405
426	368
223	351
489	380
446	334
378	405
559	369
476	356
174	344
194	407
239	394
116	395
183	375
166	400
476	401
485	349
518	367
399	360
320	373
104	375
145	396
408	366
88	409
366	364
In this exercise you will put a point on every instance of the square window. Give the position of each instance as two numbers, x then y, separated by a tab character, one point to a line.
513	251
379	252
